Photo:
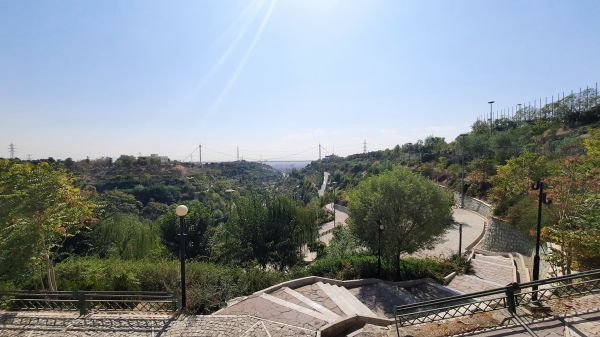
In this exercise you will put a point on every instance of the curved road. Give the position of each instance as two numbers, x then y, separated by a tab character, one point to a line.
473	226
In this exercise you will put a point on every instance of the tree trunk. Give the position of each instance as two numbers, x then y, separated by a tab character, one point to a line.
397	265
50	274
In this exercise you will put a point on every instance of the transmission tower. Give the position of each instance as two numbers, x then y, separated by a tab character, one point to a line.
365	146
11	149
319	151
200	154
237	153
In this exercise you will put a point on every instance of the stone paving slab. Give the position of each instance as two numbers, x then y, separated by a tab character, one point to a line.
52	324
266	309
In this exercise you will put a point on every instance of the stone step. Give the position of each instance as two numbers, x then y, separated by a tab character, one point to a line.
494	259
316	294
338	298
359	306
492	272
296	307
467	284
314	305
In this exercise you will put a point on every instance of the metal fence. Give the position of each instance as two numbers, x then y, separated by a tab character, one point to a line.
559	105
87	301
509	297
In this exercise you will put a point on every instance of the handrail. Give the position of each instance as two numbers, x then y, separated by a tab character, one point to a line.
512	295
496	290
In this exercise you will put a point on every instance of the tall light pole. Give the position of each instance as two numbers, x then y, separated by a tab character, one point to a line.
462	191
380	230
538	185
181	212
333	183
491	103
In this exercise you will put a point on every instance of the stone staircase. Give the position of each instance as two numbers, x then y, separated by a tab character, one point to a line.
489	272
310	306
331	306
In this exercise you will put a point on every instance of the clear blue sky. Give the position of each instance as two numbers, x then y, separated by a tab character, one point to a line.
103	78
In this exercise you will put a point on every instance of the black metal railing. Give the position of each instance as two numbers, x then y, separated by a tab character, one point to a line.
86	301
508	297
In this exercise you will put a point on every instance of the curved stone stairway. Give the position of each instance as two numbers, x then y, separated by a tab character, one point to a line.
331	306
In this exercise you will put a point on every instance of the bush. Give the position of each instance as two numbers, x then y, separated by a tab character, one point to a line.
356	267
209	285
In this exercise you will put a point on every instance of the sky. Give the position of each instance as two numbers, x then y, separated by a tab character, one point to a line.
276	78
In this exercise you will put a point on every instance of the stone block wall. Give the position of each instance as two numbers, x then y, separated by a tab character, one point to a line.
500	236
475	205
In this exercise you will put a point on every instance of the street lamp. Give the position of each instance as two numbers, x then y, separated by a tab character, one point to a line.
181	212
333	183
379	251
538	185
462	191
491	115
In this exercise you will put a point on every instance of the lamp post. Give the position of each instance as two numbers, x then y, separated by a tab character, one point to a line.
491	103
538	185
333	183
462	191
181	212
380	229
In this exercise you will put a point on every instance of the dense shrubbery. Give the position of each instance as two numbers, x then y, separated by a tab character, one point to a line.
361	266
210	285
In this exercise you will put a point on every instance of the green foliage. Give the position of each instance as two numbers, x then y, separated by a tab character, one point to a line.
127	236
198	222
119	202
40	208
413	210
268	230
209	285
514	179
365	266
344	243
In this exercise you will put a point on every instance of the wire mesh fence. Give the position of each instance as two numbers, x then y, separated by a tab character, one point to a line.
87	301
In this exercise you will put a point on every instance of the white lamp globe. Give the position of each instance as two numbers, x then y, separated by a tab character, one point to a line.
181	210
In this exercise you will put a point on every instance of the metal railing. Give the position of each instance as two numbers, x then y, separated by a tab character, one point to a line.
508	297
86	301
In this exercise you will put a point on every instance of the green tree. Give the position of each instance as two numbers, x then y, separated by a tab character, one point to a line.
39	209
413	210
126	236
269	230
513	180
198	220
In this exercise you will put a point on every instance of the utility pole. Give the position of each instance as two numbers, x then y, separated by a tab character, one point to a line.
11	149
365	146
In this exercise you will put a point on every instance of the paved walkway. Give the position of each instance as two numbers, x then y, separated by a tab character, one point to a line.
473	225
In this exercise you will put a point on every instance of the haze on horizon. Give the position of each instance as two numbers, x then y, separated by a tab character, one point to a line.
276	78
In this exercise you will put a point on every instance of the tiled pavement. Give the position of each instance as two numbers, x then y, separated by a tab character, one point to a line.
51	324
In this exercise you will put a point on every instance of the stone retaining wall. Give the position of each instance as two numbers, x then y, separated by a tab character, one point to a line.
500	236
